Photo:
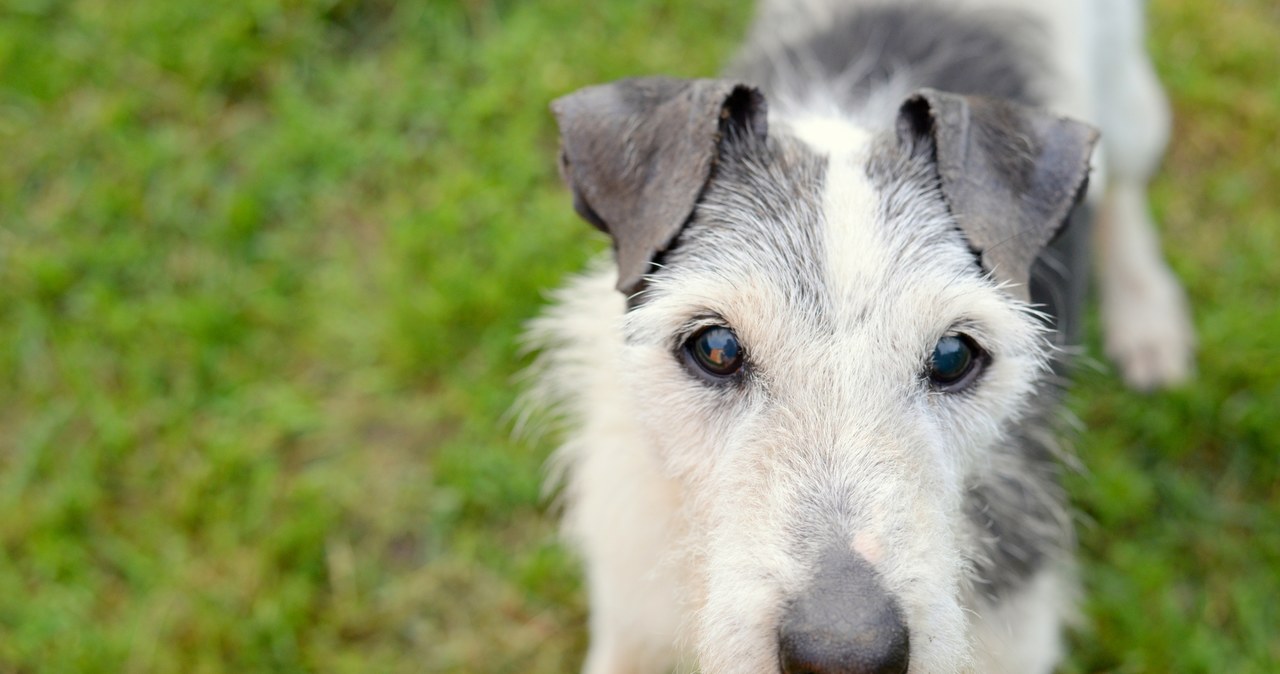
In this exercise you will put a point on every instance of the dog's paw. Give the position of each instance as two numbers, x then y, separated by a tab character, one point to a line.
1148	329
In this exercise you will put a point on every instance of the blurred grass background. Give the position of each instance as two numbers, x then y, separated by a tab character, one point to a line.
263	267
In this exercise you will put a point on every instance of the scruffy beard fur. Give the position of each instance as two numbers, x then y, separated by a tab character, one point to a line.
701	509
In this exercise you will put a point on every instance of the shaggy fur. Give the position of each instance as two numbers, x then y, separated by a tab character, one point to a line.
704	509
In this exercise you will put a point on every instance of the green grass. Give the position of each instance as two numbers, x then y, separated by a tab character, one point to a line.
262	275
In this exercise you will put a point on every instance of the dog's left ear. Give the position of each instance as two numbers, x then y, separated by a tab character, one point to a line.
1010	174
637	154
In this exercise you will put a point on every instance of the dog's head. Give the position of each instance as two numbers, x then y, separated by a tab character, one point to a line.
829	346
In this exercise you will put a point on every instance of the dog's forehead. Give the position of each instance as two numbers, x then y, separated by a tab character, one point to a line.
820	222
760	221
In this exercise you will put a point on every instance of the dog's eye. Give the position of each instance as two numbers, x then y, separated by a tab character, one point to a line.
715	350
956	362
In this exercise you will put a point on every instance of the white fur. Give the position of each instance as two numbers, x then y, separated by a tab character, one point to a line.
612	482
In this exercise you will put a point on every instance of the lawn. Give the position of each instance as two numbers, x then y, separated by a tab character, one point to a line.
262	275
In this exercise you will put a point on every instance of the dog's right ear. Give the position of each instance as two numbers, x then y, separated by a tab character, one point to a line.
638	153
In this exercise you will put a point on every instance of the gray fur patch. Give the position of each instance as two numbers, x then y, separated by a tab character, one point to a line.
1015	511
986	54
1060	279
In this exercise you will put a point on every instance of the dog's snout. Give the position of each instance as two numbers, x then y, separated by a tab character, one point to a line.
845	622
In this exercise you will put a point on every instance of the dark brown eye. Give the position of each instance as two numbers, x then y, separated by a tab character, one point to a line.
956	362
715	350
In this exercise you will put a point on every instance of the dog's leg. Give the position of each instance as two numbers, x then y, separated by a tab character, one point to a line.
632	621
621	519
1023	634
1147	322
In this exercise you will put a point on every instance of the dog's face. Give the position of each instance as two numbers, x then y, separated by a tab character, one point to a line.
831	349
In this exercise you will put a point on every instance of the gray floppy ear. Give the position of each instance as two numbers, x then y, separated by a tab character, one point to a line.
1010	174
637	154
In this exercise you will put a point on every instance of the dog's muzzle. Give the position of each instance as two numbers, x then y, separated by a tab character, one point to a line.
844	623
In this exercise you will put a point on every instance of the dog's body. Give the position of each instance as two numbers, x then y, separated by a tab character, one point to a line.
769	463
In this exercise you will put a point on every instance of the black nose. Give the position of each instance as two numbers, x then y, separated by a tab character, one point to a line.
844	623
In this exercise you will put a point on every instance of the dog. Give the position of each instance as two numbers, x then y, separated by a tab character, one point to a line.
811	403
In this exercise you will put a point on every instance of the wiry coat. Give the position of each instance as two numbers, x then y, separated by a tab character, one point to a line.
837	250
